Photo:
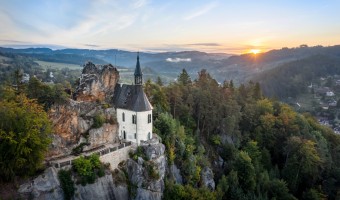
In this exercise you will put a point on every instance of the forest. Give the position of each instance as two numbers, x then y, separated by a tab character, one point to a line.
257	148
292	78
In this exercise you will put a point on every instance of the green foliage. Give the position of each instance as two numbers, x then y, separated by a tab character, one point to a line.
66	183
269	151
222	187
216	140
98	121
157	97
184	78
186	192
277	189
292	78
87	168
138	153
245	171
83	166
24	136
45	94
152	170
79	149
314	194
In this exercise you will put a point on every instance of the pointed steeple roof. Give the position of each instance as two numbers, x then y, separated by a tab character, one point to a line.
138	70
138	73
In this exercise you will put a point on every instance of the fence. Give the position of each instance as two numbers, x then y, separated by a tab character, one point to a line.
98	151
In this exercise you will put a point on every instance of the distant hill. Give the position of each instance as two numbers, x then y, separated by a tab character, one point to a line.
244	67
120	57
239	68
292	78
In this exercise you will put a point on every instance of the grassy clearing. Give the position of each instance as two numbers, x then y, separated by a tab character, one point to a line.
306	101
59	66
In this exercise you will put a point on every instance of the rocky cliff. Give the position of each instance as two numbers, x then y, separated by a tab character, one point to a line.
142	178
96	83
47	186
88	118
146	174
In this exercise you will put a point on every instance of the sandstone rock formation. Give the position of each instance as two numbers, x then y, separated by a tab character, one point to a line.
96	83
73	121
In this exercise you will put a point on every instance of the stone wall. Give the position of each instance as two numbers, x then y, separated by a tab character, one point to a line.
115	157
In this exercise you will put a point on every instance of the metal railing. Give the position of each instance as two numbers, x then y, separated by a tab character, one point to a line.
88	153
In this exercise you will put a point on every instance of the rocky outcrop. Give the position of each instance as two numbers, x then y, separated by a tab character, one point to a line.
147	176
73	121
175	174
45	186
96	83
153	149
207	177
103	188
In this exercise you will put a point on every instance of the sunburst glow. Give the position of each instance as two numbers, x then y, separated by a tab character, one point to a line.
255	51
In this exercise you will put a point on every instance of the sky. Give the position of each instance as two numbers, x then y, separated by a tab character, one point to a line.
217	26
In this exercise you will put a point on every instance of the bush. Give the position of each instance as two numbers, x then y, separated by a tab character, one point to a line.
67	183
88	168
79	149
101	172
139	153
216	140
83	166
152	171
98	121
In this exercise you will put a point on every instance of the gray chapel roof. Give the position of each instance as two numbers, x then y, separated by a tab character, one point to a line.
131	97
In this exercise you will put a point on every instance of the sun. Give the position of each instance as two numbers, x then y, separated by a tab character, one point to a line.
255	51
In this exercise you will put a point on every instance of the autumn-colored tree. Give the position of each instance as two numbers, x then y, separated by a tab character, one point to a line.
24	136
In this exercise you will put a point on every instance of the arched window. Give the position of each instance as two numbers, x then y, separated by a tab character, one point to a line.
149	136
149	118
134	119
124	135
123	117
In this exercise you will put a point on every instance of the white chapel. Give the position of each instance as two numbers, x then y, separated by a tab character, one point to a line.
134	111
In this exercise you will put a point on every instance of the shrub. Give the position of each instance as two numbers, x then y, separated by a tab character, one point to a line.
98	121
101	172
94	159
152	171
67	183
83	166
79	149
88	168
138	153
216	140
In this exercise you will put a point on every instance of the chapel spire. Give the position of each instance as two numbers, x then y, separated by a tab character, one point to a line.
138	73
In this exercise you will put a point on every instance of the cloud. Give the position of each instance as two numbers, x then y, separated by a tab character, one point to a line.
176	60
139	3
201	11
13	41
205	44
91	45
